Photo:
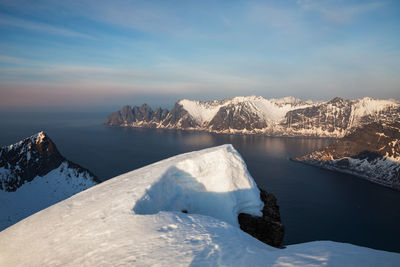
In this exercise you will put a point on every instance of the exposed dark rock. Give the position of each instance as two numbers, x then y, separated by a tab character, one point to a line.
31	157
160	114
114	119
127	114
178	116
331	116
236	117
268	228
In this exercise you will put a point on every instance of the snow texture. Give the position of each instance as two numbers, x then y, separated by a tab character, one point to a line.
205	184
202	112
128	221
40	193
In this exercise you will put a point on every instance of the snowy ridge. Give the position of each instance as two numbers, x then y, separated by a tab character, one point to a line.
371	152
108	224
271	110
21	145
286	116
34	175
370	107
202	112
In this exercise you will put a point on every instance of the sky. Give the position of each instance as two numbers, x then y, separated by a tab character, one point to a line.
96	53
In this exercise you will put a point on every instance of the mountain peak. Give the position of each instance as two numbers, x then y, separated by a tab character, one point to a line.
336	100
287	116
40	137
31	157
34	175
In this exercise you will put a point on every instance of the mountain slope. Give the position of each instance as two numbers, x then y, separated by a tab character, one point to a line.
177	212
34	175
256	115
371	152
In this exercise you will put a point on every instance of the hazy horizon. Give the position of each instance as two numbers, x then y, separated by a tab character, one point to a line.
152	101
83	55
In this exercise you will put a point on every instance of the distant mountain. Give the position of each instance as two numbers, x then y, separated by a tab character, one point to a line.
34	175
287	116
371	152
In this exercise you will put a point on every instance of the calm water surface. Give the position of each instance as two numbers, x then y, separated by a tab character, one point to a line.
315	204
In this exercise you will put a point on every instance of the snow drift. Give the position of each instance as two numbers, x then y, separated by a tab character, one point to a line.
213	182
136	219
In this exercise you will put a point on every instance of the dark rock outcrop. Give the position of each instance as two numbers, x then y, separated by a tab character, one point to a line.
29	158
178	117
35	176
331	116
236	117
268	228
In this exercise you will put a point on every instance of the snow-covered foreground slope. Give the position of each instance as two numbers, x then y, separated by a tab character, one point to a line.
135	220
40	193
34	176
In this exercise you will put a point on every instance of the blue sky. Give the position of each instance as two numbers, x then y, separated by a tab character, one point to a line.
110	53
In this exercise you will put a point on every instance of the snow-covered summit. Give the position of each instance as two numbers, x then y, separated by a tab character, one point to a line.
176	212
370	107
25	144
34	175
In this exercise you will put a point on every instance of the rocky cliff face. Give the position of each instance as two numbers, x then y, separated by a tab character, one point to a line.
34	175
330	118
256	115
34	156
371	152
268	228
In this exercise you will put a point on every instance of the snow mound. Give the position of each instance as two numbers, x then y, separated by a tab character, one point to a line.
214	182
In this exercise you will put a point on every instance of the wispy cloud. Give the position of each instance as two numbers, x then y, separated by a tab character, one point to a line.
9	21
172	77
270	48
339	11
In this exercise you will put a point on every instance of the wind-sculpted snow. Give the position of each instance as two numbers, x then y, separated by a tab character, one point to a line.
257	115
101	226
205	184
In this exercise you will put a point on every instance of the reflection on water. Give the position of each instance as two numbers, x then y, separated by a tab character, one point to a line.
315	204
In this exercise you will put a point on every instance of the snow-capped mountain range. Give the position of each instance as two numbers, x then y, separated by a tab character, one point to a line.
181	211
371	152
34	175
287	116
